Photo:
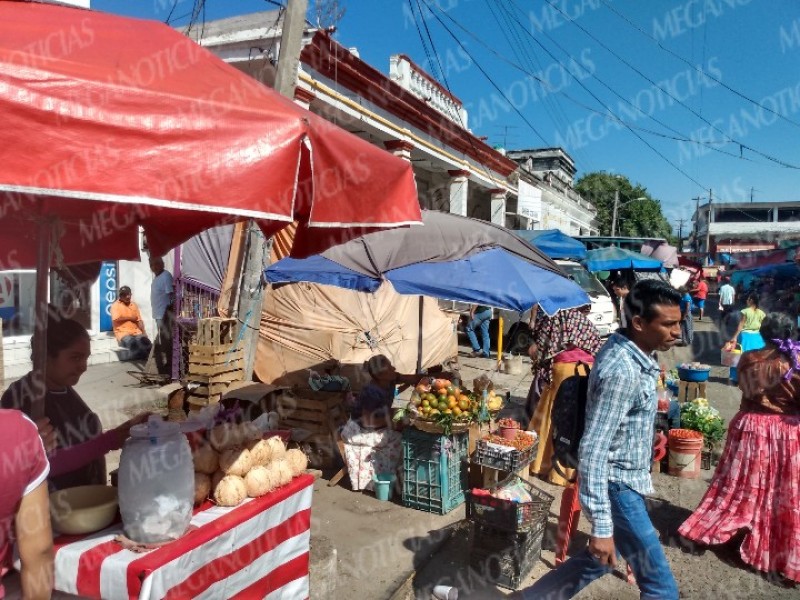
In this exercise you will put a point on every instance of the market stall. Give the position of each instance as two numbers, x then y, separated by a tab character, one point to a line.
250	551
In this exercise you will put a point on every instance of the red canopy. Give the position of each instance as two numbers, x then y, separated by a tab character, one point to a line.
110	123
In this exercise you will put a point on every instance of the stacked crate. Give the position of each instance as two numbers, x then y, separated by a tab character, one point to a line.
434	470
215	360
506	536
319	413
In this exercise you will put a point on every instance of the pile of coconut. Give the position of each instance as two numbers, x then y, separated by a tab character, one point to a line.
236	463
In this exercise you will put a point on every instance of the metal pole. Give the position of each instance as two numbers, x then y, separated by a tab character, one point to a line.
708	228
40	322
614	218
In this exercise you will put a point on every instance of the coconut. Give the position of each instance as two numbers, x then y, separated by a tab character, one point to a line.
277	447
231	491
249	432
259	481
215	479
205	459
202	487
224	436
235	461
260	452
297	460
283	470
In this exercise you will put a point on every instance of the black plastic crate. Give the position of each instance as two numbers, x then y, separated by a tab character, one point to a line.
434	470
507	515
511	460
502	557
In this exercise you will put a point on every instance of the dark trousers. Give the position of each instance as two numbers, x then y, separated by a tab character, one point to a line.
138	345
163	346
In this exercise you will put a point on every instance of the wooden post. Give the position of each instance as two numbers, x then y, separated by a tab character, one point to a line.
251	257
40	318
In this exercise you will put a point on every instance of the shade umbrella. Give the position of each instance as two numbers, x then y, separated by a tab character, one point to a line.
614	259
451	257
554	243
112	124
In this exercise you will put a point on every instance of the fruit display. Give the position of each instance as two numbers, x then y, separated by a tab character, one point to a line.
443	402
233	463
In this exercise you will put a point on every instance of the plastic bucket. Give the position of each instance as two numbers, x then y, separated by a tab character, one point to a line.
684	455
384	485
513	365
730	358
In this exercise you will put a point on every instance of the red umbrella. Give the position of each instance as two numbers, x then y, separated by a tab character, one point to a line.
111	123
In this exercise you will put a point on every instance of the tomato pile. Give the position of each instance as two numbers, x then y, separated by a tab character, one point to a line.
510	423
523	441
685	434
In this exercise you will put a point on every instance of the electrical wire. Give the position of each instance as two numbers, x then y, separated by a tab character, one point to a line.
670	95
695	67
491	81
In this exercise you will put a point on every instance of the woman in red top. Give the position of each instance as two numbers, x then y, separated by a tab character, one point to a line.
756	486
24	506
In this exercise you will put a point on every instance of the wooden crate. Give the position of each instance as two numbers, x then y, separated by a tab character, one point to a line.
217	331
689	390
316	412
209	361
198	400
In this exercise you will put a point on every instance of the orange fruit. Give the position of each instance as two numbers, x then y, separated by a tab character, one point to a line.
448	411
463	403
457	411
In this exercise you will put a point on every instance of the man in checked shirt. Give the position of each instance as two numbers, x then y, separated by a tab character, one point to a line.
616	450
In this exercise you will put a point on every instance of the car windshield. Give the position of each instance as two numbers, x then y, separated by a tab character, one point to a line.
586	280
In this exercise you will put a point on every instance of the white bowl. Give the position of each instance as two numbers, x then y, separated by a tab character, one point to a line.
83	509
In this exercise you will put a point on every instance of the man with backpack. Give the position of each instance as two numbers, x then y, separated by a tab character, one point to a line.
616	450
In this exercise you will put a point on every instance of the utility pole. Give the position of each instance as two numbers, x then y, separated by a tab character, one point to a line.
614	217
751	195
695	245
708	227
252	254
680	234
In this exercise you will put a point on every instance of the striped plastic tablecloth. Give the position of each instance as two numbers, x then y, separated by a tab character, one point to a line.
259	549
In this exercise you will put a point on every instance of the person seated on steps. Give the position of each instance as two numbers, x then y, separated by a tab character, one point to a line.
129	327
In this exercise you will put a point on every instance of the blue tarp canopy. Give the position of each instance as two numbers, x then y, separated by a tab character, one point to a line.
614	259
492	277
554	243
787	270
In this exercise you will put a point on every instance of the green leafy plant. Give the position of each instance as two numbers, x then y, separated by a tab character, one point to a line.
701	417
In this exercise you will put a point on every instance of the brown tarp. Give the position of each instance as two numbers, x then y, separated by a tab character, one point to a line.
305	325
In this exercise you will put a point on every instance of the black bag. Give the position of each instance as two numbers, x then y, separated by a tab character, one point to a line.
568	418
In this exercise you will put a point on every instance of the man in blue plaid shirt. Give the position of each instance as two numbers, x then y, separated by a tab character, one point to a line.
616	451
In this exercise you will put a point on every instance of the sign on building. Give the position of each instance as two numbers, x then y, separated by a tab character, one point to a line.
108	293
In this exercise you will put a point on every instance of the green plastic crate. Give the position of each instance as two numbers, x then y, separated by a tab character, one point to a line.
434	470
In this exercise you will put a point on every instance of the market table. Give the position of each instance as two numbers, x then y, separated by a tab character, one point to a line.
259	549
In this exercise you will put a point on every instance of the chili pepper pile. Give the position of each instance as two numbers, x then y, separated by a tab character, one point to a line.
685	434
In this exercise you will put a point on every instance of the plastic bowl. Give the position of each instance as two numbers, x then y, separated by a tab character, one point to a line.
83	509
695	375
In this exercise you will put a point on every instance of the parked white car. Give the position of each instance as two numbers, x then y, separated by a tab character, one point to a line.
603	314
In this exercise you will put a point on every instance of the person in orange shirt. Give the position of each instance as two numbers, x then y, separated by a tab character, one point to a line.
129	327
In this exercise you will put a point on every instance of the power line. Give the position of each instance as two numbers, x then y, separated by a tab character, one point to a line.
696	68
485	74
648	144
668	93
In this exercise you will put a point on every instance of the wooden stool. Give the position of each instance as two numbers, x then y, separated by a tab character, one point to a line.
689	390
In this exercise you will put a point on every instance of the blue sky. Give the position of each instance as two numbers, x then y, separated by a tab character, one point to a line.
564	86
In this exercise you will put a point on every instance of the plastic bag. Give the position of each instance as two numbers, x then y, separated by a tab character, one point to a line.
513	492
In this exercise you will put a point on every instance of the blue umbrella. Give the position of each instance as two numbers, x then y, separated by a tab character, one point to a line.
554	243
614	259
491	277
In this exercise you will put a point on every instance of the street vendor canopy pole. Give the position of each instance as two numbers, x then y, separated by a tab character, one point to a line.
45	231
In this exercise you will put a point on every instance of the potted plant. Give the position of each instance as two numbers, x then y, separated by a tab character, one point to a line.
705	419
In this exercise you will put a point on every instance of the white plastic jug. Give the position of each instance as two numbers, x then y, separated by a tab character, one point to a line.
156	482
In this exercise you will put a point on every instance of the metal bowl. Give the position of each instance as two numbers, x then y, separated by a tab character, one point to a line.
83	509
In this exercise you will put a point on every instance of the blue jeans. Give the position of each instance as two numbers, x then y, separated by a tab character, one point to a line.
138	346
634	537
481	319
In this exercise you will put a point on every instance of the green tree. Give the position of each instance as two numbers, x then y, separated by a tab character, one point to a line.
635	218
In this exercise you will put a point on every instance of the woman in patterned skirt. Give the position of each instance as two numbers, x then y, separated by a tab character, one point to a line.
756	487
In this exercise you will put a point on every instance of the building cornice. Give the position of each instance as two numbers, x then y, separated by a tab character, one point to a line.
335	62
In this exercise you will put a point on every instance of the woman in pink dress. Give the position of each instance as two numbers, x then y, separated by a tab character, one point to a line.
756	487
